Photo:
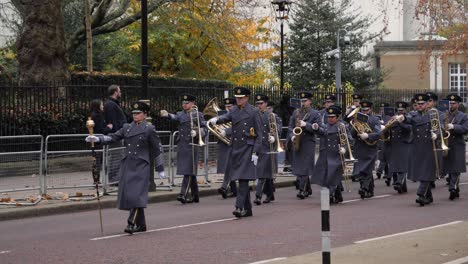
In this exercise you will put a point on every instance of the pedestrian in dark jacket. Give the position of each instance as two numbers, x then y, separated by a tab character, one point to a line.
97	114
141	141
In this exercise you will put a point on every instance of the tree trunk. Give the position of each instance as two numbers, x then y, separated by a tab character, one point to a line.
41	46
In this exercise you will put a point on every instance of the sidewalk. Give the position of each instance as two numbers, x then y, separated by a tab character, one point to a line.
50	207
433	246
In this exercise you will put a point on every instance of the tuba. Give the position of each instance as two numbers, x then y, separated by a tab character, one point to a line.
195	125
359	126
211	110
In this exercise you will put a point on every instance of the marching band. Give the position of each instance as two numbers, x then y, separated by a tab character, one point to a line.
421	144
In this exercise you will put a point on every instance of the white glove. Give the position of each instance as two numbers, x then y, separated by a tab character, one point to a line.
364	136
271	139
223	133
433	136
193	133
400	118
292	138
255	159
450	126
303	123
164	113
94	138
315	126
381	122
382	127
213	121
342	150
161	175
353	107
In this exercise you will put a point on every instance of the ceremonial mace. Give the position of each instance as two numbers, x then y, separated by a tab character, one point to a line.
90	126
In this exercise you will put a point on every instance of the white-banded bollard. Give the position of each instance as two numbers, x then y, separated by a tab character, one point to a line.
325	207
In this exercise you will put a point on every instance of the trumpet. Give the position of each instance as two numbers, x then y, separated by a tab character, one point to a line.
359	126
344	142
195	125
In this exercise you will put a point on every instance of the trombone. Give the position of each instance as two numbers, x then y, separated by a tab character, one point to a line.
344	142
195	125
435	127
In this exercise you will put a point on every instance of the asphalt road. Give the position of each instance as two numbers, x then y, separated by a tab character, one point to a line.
208	233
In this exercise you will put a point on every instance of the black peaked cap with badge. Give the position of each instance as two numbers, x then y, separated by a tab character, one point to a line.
357	96
432	96
401	105
229	101
365	104
454	97
334	110
241	91
188	97
305	95
384	104
421	97
330	98
261	97
138	107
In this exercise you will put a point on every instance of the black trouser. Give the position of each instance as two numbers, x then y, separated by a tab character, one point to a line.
454	179
304	184
424	189
383	169
232	184
264	186
189	181
243	196
137	217
399	178
366	181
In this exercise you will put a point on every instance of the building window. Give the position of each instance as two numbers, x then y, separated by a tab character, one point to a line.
457	77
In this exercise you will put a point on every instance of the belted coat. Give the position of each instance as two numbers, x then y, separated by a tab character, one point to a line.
455	162
399	147
244	143
141	144
329	169
187	153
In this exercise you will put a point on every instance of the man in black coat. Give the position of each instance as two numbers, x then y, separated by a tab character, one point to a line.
115	118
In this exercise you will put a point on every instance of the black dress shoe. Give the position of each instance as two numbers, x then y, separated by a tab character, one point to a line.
397	187
247	213
237	212
129	229
300	195
388	181
181	198
141	228
192	200
453	195
257	201
379	175
362	193
223	192
269	199
422	200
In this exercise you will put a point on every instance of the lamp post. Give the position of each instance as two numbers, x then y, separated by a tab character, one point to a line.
282	10
336	53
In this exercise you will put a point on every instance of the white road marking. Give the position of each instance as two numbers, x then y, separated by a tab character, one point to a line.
463	183
375	197
165	228
458	261
267	261
407	232
5	251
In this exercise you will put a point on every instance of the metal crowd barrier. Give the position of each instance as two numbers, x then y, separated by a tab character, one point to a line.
21	170
165	136
68	162
202	163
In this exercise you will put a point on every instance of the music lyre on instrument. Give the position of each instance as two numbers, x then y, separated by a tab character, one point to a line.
95	171
360	126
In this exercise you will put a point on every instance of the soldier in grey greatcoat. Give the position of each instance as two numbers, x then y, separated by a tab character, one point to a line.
328	101
432	104
383	147
422	168
191	132
303	160
246	143
454	162
224	157
141	143
365	151
399	136
328	170
264	168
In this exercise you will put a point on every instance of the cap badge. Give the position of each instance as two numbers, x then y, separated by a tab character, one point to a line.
185	97
135	106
